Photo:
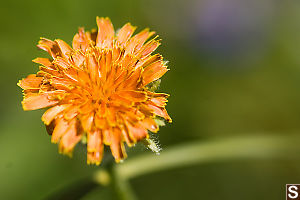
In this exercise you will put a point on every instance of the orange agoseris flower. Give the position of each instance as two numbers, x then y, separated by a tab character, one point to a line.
98	89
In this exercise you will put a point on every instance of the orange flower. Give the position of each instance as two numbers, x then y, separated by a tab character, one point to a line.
98	89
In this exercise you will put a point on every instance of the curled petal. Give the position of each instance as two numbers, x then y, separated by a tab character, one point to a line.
64	48
49	46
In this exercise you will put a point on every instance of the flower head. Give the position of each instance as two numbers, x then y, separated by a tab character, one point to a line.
98	89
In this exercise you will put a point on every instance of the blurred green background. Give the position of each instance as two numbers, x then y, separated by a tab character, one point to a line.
235	71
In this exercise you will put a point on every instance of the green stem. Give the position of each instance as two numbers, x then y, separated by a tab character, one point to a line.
200	152
122	186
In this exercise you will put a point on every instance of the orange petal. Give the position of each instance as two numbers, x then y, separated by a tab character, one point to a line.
107	136
159	101
117	147
132	95
78	59
92	67
69	139
64	47
94	157
61	127
136	131
95	148
87	107
150	124
94	141
62	63
111	116
105	33
118	100
100	122
125	33
37	101
132	82
153	72
160	112
71	112
81	40
43	61
147	61
61	83
30	82
49	46
127	138
137	41
87	121
51	113
148	48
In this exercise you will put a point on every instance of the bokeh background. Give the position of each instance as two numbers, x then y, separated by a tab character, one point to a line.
235	71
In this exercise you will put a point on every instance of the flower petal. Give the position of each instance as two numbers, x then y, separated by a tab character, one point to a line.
64	48
92	67
43	61
61	126
117	147
36	101
31	82
137	41
94	141
125	33
150	124
132	95
69	139
81	40
105	33
136	131
87	121
153	72
51	113
49	46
